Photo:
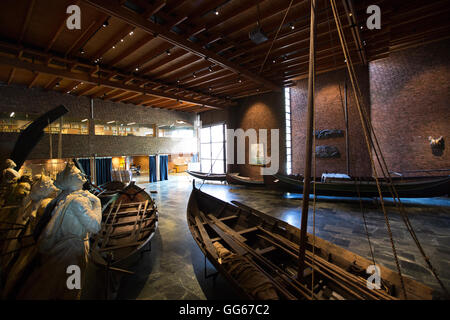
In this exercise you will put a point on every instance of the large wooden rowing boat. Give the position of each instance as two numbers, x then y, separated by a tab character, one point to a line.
235	178
128	224
419	187
208	176
258	255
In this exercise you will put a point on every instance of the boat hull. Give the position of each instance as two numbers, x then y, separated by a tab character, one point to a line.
234	178
206	176
410	188
253	225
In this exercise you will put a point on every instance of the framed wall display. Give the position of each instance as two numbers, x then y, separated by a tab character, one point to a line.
257	153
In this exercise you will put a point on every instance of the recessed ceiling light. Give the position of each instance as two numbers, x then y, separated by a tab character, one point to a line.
131	33
292	26
137	69
105	24
168	52
81	50
113	47
216	12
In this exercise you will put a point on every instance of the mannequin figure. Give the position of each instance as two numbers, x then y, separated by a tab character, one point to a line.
65	240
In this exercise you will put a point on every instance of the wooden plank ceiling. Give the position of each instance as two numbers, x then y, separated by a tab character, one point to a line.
194	55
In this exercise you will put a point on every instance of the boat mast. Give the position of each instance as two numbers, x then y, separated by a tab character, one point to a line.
309	128
346	128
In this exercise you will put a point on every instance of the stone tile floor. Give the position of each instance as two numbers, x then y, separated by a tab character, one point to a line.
175	268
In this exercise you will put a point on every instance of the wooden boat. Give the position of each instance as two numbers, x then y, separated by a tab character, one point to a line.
129	222
208	176
265	250
235	178
418	187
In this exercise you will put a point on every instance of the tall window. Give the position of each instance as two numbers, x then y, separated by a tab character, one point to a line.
287	105
212	149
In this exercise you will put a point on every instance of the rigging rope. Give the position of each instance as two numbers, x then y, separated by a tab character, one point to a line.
372	139
276	36
368	141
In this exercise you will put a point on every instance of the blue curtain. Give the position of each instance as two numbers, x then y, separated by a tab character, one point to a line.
103	170
195	157
152	168
164	167
86	165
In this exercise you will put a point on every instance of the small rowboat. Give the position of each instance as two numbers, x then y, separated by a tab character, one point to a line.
235	178
258	255
208	176
418	187
128	224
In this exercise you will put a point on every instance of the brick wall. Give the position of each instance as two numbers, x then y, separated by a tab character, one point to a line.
261	112
21	99
410	100
329	114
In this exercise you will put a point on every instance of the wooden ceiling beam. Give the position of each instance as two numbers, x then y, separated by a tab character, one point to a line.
160	64
88	32
26	21
131	49
61	26
146	58
11	76
87	78
137	20
33	82
111	42
86	89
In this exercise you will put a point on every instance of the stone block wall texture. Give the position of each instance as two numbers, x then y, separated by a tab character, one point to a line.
329	114
21	99
410	101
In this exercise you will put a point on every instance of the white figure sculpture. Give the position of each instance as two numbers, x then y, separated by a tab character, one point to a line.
42	192
64	243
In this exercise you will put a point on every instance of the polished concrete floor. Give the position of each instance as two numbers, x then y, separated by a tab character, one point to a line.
175	268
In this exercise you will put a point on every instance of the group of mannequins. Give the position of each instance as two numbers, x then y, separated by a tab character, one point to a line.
62	216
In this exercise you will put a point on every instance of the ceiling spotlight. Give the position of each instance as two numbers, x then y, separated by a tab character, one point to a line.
292	26
350	14
273	61
209	88
57	84
210	69
216	12
105	24
12	114
131	33
168	52
81	50
137	69
239	80
84	120
194	75
361	27
345	60
113	47
121	40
